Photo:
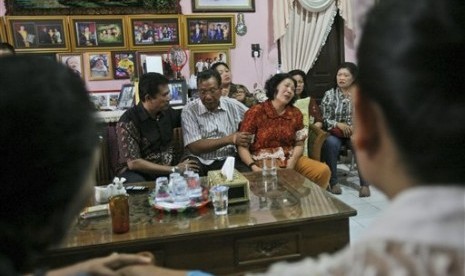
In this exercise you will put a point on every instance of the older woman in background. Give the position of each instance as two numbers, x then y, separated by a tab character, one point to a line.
228	88
279	132
337	113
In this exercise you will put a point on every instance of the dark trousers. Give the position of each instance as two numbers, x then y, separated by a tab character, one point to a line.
218	164
330	154
135	176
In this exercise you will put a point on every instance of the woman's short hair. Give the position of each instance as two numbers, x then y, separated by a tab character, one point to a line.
214	66
353	69
271	86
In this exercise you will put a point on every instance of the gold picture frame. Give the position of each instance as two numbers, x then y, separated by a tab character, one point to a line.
40	34
2	30
98	66
210	31
73	61
142	65
154	32
208	57
98	32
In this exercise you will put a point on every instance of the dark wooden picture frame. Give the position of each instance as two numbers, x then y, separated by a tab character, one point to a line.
210	31
223	6
124	64
154	32
40	34
98	32
32	7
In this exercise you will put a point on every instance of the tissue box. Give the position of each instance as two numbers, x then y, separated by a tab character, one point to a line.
95	211
238	187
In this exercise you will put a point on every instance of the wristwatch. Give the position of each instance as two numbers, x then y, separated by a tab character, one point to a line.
251	164
174	169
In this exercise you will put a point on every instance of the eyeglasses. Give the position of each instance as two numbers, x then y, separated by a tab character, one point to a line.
204	92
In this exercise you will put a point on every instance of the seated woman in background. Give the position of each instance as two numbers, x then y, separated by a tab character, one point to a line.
337	112
228	88
304	101
279	132
243	95
307	105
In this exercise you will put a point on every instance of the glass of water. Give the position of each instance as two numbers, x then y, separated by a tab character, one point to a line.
269	167
219	195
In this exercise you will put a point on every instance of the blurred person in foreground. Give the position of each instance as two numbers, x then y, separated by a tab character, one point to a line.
49	153
411	82
6	49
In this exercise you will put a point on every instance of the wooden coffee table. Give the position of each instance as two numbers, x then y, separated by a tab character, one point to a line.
287	220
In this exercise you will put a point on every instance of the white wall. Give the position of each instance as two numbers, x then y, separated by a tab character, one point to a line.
351	39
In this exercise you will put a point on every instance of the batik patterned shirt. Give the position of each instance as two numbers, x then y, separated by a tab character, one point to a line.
143	137
336	108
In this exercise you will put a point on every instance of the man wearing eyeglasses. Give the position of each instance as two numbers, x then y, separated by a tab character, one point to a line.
210	125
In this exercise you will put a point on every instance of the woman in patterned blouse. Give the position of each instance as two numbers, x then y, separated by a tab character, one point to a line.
337	113
279	132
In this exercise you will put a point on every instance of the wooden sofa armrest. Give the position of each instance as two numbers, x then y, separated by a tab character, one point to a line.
315	140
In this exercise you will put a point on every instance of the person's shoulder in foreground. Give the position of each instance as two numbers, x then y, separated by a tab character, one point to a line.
49	145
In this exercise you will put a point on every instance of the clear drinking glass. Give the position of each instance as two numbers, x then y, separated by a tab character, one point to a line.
269	167
219	195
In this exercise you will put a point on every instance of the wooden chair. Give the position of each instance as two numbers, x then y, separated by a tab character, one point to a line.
315	140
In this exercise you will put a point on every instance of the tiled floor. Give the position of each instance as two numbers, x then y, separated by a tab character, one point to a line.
368	208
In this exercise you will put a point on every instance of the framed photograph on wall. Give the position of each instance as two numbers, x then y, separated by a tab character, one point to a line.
38	34
126	97
154	32
178	92
145	62
106	32
203	59
124	64
98	66
73	61
210	30
223	6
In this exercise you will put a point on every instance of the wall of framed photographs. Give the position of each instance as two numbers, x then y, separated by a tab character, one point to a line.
245	69
106	47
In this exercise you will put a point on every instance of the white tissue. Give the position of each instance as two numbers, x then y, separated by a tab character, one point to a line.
118	184
228	168
102	194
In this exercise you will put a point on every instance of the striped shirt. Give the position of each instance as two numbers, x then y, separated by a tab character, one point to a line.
200	123
336	108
